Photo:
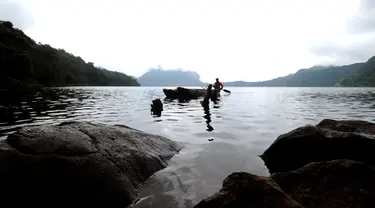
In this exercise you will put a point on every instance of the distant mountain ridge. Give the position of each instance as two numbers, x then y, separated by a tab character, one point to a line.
25	63
316	76
173	77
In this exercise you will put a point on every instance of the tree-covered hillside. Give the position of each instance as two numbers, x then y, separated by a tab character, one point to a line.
364	77
25	63
317	76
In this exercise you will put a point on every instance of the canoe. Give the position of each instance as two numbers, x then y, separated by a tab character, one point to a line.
184	93
188	94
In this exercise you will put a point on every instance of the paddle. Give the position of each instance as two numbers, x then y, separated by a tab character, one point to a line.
225	90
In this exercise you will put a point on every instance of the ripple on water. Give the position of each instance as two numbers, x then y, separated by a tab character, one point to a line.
188	178
242	125
22	121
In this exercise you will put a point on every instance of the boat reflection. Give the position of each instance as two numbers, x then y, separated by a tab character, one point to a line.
207	116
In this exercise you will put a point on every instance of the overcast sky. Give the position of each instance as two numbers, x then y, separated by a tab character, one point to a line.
249	40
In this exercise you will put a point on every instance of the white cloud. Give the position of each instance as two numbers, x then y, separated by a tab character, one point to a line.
14	12
355	42
232	39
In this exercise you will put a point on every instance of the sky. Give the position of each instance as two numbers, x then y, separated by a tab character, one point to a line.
249	40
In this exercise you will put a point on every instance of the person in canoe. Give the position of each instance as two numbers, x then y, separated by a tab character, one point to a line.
218	85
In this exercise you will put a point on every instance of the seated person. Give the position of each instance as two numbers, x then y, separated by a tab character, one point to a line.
218	85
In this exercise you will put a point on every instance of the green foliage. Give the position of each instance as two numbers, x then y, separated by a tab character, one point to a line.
364	77
25	63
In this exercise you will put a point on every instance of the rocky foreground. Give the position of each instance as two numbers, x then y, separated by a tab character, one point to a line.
330	164
79	164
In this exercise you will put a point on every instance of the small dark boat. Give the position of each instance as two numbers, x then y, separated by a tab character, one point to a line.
188	94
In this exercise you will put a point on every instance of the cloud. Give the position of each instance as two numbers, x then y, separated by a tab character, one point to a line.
14	12
251	40
354	43
364	19
347	48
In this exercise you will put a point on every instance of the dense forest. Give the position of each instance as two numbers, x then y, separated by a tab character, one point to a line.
316	76
363	77
26	63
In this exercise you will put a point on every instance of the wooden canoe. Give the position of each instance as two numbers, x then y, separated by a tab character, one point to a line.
187	94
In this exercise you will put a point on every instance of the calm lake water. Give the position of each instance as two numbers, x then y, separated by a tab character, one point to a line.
242	125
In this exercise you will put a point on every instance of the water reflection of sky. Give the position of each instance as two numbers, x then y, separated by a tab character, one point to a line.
242	125
261	109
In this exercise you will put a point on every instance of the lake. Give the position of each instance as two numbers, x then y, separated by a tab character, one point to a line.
242	125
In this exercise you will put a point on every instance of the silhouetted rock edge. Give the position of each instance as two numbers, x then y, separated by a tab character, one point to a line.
79	164
325	165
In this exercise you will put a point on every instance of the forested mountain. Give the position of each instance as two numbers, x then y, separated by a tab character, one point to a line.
25	63
363	77
317	76
176	77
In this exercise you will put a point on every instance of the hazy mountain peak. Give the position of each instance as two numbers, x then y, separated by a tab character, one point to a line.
170	77
322	66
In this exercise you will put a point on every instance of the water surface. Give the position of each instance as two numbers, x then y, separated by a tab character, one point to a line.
242	125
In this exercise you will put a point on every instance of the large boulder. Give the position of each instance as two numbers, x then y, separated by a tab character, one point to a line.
328	140
243	190
79	164
336	184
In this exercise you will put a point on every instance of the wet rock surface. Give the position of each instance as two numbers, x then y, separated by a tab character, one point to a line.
338	183
330	164
242	189
79	164
328	140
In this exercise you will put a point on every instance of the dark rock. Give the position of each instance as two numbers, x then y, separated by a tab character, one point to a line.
246	190
79	164
156	107
336	184
329	140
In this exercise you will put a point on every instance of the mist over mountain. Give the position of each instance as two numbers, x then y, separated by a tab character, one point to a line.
316	76
171	77
26	63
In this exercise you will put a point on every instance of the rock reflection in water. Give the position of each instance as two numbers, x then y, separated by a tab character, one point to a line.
207	112
207	116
